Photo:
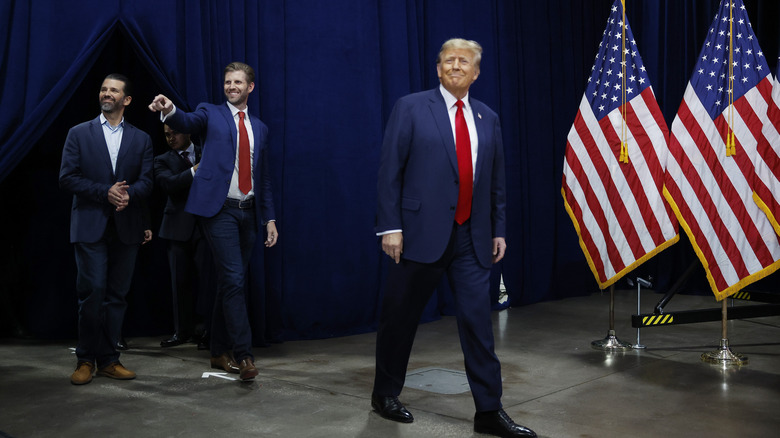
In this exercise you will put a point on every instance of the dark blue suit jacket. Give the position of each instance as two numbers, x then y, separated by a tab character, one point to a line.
418	178
86	172
173	175
216	128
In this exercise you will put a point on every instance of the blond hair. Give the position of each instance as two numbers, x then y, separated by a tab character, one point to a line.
460	43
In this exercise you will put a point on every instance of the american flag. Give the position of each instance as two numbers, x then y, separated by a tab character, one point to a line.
767	185
617	207
711	192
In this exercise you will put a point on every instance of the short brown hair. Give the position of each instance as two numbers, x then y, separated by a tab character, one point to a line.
240	66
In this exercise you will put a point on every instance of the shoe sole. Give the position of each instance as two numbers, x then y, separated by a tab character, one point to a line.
80	383
249	375
232	371
111	376
386	417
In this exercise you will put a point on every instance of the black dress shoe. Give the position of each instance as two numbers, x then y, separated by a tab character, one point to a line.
391	408
173	341
121	344
498	423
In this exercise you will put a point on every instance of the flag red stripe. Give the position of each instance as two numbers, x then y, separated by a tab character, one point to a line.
703	193
593	203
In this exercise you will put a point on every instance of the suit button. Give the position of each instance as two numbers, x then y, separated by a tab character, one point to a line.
456	182
452	208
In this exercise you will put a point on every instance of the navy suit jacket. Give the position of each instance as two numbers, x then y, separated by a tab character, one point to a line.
86	172
173	175
418	178
215	126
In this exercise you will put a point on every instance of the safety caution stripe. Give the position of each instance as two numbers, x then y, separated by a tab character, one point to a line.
741	295
657	320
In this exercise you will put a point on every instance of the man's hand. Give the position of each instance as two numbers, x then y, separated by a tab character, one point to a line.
118	196
272	234
147	236
393	245
161	103
499	248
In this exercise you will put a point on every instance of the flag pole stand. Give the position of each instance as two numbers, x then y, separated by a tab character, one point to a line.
723	355
611	342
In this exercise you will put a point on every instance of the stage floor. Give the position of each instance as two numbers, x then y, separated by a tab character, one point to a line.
554	382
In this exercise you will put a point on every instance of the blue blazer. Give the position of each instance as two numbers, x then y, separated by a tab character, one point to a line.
418	178
86	172
215	126
173	175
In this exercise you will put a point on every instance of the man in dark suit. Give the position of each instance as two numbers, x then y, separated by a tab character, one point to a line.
107	165
188	254
441	209
231	192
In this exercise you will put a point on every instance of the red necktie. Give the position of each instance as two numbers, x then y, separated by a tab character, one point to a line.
244	161
463	148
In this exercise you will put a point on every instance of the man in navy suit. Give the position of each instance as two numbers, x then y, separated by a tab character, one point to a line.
188	254
231	191
441	210
107	165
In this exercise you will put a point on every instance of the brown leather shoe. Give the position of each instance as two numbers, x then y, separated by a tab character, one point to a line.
247	370
83	373
116	371
225	362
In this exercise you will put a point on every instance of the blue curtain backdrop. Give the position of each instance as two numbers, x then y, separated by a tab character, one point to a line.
328	74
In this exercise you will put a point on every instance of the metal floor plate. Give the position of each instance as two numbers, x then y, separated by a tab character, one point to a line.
438	380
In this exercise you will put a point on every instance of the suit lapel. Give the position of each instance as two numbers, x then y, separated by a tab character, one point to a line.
231	126
97	133
127	139
483	138
441	116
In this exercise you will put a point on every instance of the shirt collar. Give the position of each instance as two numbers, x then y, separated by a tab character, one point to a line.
104	121
450	100
189	150
234	110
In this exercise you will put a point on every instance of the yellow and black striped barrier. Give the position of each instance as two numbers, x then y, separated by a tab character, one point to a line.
651	320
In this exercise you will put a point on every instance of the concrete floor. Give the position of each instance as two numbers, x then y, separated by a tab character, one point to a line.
554	382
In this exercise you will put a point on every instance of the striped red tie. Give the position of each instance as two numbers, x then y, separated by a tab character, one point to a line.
244	161
463	148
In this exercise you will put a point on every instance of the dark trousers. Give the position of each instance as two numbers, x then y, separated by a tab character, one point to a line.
231	234
409	288
105	271
191	282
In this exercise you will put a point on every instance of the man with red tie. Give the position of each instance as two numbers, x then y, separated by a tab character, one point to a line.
231	192
441	210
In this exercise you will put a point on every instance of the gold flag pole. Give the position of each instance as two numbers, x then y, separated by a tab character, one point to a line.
731	149
623	129
611	342
723	355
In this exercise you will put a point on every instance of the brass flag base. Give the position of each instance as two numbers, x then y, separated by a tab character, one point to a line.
610	343
724	356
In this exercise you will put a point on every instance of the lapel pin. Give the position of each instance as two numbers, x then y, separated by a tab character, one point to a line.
479	115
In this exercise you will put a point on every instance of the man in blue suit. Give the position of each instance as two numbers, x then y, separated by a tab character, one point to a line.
231	191
107	165
441	209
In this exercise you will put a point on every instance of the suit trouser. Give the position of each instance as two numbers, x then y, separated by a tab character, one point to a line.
231	234
191	282
105	271
409	288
